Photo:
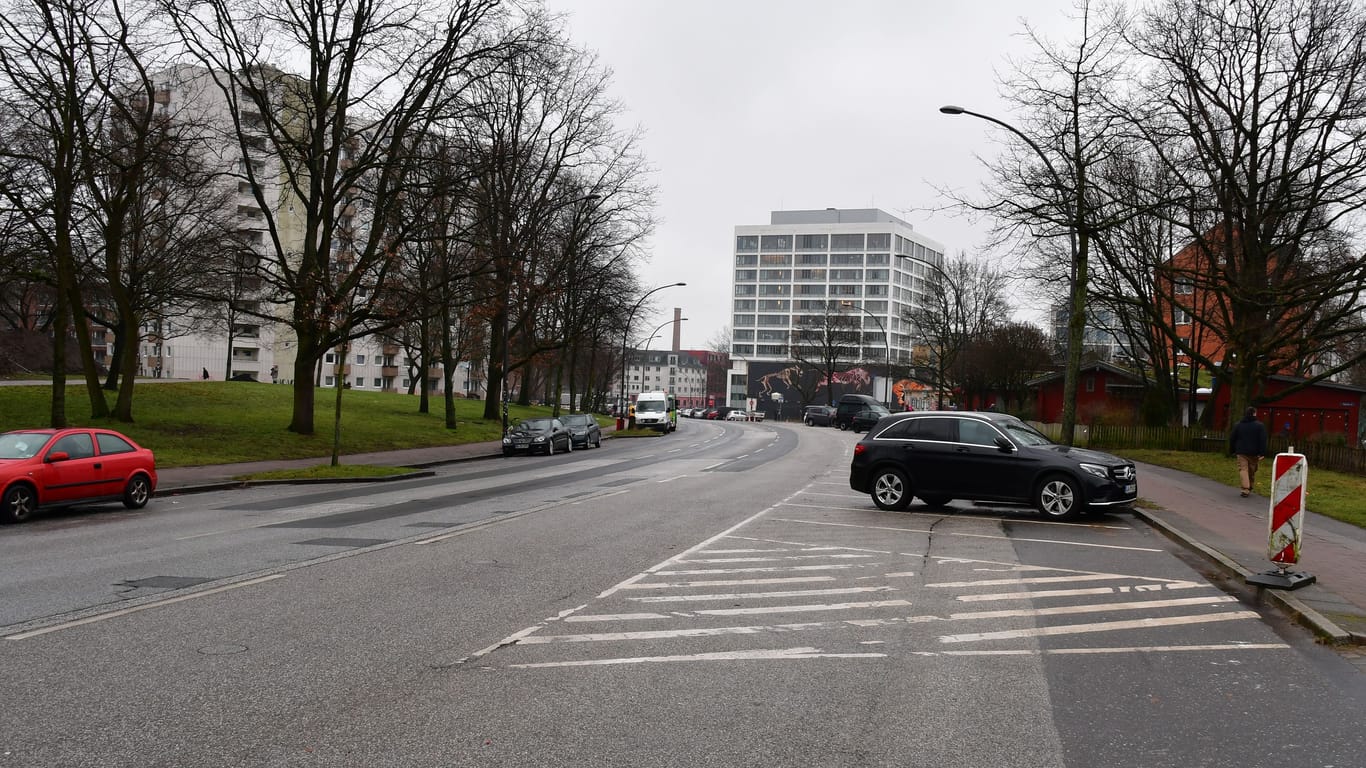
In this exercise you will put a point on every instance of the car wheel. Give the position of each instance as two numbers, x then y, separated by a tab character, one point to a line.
19	504
550	447
569	446
137	492
843	426
598	442
810	423
936	501
890	490
1059	497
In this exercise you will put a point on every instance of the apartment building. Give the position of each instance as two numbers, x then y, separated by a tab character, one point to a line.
802	265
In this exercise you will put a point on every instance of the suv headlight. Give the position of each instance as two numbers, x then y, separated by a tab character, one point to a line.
538	439
507	440
1097	470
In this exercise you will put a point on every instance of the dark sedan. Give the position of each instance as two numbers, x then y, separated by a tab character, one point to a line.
583	429
819	415
537	435
940	456
866	418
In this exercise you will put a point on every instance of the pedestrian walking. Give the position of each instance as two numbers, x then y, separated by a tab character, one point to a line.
206	374
1247	441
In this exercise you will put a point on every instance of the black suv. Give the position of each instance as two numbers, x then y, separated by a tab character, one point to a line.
849	406
940	456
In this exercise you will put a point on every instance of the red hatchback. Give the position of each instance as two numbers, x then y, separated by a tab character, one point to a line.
60	467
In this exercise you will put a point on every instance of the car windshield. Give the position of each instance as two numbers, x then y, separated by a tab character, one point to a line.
21	445
534	425
1025	434
576	420
650	406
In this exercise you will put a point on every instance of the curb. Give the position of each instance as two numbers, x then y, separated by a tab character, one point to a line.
1298	611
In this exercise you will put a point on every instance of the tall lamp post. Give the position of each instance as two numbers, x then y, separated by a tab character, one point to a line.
886	338
1076	320
626	335
655	333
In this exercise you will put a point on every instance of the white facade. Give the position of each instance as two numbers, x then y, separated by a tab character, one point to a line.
677	373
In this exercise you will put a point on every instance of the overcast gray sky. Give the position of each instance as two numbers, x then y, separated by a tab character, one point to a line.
751	106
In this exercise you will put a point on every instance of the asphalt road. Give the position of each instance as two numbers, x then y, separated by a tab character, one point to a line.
718	597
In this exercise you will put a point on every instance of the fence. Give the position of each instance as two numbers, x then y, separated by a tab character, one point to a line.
1339	458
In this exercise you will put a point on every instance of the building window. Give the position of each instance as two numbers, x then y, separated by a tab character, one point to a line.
378	383
744	290
745	274
808	275
775	350
810	290
774	305
1181	316
743	335
876	290
1090	383
811	242
769	243
746	261
746	242
775	289
744	305
739	320
846	260
776	260
846	242
327	381
360	359
775	274
879	241
846	274
329	358
811	259
1185	286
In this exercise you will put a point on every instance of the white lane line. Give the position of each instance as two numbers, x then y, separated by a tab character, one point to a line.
1038	580
1080	592
761	595
728	582
964	535
744	551
770	569
671	479
1105	626
713	466
1092	608
805	608
1130	649
780	655
814	548
619	617
143	607
770	559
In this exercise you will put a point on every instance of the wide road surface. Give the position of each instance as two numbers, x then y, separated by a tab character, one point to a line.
717	597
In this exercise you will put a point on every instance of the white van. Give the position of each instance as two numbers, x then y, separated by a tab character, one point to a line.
655	410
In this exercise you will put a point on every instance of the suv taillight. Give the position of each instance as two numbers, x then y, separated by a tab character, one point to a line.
859	448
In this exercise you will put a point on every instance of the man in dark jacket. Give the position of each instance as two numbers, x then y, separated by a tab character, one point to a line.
1247	441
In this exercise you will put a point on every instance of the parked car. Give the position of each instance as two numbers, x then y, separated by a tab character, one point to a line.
849	406
737	415
532	435
583	429
938	457
42	468
719	413
818	415
866	418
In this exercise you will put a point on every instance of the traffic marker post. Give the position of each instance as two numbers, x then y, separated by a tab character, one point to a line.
1285	523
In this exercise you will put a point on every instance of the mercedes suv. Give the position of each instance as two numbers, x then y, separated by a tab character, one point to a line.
940	456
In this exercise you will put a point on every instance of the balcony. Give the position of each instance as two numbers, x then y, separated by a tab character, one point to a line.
388	371
341	370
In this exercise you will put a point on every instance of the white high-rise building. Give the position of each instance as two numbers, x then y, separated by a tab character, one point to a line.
803	264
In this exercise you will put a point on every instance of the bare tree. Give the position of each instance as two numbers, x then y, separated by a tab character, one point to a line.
1040	192
380	74
827	342
1255	110
968	300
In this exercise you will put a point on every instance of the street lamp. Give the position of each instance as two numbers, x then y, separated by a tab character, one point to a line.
886	338
655	333
1076	320
626	334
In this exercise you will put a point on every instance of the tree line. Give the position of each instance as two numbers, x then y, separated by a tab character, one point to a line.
449	177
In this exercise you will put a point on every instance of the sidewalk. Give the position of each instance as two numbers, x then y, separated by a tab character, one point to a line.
1204	516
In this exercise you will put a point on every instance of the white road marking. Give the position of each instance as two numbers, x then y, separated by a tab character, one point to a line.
619	617
813	547
1106	626
728	582
964	535
713	466
772	569
767	559
1129	649
762	595
1037	580
1093	608
1078	592
143	607
805	608
781	654
671	479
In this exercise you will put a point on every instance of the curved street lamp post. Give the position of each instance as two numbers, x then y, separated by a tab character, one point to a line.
626	335
1076	320
887	339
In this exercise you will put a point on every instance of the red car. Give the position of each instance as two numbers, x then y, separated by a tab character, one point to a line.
60	467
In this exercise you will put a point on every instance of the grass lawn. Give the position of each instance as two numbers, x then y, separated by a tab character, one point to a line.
222	422
1332	494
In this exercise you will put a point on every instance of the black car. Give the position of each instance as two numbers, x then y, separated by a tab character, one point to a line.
533	435
938	457
866	418
818	415
583	429
849	406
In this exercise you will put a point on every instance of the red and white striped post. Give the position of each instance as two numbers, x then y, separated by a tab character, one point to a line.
1285	522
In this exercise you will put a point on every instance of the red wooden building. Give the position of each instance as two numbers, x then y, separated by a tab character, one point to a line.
1103	391
1321	409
